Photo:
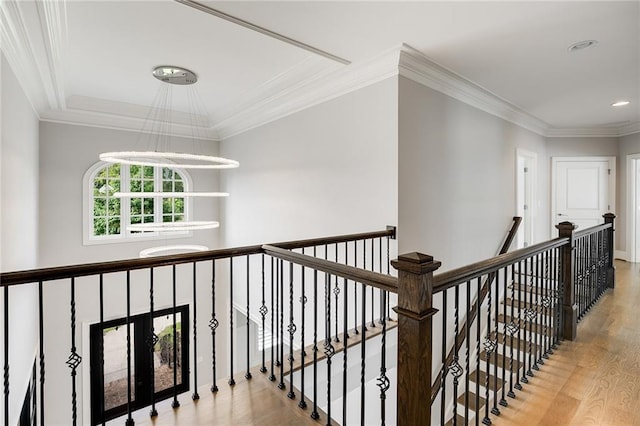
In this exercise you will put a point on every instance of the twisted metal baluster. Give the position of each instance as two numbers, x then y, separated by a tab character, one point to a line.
520	361
467	358
175	403
213	325
314	413
373	321
355	290
495	410
346	294
455	368
263	313
512	328
383	380
195	396
281	385
272	376
129	420
303	301
530	312
336	292
41	338
489	346
153	339
364	266
248	375
503	401
329	350
74	359
276	314
231	381
291	329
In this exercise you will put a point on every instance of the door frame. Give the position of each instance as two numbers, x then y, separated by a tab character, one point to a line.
528	227
633	163
611	186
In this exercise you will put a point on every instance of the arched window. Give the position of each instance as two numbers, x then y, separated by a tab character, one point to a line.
106	217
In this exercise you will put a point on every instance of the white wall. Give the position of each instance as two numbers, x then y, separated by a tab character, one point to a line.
626	145
328	170
19	227
456	181
66	152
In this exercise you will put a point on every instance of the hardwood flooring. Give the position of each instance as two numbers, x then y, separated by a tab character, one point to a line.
594	380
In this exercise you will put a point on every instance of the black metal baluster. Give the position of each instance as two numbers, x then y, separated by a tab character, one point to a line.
303	301
513	328
355	290
314	413
277	314
213	325
495	410
559	300
455	367
329	350
291	329
505	330
195	396
336	292
175	403
478	338
263	313
363	355
272	376
364	266
520	362
280	282
41	338
443	355
383	380
231	381
489	345
248	375
373	321
6	352
151	343
345	326
467	359
547	302
382	304
73	361
129	420
346	294
530	312
537	353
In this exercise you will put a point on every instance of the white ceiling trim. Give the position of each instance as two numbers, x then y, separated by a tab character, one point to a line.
53	27
595	132
320	88
419	68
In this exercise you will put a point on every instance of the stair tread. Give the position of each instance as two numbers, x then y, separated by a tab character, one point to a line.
472	400
537	328
493	384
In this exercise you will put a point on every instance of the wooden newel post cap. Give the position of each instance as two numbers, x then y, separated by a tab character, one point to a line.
566	226
416	263
608	217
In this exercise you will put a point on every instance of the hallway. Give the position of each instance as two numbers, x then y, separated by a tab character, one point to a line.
594	380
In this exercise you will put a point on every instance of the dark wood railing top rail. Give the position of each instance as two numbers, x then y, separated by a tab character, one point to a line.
373	279
454	277
591	230
87	269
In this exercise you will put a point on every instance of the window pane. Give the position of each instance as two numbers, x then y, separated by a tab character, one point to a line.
148	205
148	171
114	226
136	186
167	218
167	205
148	219
164	361
113	185
148	186
99	206
167	173
179	218
167	186
134	171
136	219
114	170
114	207
179	186
100	226
136	206
98	186
178	205
115	366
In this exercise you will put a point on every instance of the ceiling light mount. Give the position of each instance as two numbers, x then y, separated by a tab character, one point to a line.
582	45
174	75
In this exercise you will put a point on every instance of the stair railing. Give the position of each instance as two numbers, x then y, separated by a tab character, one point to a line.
471	314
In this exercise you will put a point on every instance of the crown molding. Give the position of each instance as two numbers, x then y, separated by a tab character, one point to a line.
325	85
594	132
31	31
416	66
629	129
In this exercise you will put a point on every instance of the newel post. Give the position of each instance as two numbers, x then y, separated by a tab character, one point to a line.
611	270
415	312
567	274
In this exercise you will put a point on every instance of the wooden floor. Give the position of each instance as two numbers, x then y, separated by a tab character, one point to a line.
594	380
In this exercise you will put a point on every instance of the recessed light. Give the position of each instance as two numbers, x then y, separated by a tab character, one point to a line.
581	45
620	103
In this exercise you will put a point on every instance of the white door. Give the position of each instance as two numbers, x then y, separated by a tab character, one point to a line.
583	190
526	164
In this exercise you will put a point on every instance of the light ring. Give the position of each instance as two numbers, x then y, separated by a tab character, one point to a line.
193	225
185	194
159	159
154	251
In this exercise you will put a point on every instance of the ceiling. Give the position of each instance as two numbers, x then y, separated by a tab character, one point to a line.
90	62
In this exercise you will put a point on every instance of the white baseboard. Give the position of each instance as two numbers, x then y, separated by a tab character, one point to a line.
619	254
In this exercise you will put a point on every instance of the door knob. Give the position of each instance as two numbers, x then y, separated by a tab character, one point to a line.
561	214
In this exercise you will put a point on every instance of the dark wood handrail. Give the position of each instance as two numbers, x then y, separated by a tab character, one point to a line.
373	279
591	230
87	269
